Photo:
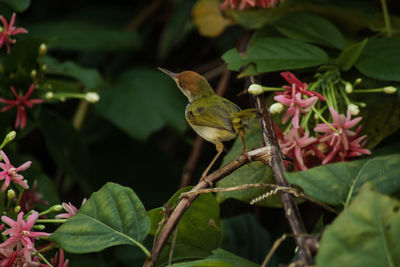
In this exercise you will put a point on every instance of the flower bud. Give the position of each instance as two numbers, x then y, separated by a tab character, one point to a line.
389	90
348	87
11	194
357	81
40	227
17	209
354	110
92	97
57	207
322	147
255	89
276	108
33	74
49	95
44	67
10	136
42	49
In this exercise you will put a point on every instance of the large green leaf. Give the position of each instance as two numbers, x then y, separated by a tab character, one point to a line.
112	216
17	5
244	236
365	234
255	172
380	59
273	54
89	77
310	28
219	258
338	183
141	101
83	36
350	55
202	215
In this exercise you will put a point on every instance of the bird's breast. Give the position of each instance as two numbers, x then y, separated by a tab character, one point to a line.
213	135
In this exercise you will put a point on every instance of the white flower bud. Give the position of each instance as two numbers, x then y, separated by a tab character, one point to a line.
42	49
11	136
348	87
17	209
255	89
276	108
57	207
33	74
357	81
49	95
354	110
92	97
389	90
11	194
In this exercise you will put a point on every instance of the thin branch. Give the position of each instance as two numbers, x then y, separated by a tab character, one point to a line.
261	154
289	204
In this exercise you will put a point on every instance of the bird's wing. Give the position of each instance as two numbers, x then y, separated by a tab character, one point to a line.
216	116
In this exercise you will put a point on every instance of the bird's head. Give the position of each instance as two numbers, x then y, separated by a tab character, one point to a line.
192	84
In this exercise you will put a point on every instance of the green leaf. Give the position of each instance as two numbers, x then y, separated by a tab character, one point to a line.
380	58
310	28
365	234
274	54
245	237
177	28
83	36
338	183
350	55
202	215
17	5
112	216
255	172
219	258
142	101
89	77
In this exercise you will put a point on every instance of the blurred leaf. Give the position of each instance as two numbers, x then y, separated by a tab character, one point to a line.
380	58
365	234
202	215
61	86
112	216
48	190
141	101
23	55
83	36
350	55
208	18
255	172
177	28
378	124
64	145
273	54
310	28
245	237
338	183
89	77
219	258
17	5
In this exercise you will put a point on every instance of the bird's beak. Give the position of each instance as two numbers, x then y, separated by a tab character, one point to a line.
169	73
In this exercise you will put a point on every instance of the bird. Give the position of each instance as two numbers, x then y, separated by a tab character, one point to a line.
214	118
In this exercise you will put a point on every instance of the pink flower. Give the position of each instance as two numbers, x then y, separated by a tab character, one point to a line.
10	173
8	31
10	257
296	105
344	143
71	210
20	233
297	148
246	4
21	103
300	86
59	260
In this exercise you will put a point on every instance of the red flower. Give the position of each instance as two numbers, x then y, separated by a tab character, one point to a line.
10	174
21	103
8	31
300	86
245	4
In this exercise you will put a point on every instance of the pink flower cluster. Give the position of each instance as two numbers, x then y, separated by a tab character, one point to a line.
337	142
246	4
8	31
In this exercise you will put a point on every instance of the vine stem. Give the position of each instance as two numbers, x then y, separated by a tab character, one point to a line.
386	17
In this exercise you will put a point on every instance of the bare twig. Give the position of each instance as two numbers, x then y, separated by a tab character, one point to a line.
276	244
278	171
261	154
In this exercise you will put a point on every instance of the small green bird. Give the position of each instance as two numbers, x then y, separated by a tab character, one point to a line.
211	116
